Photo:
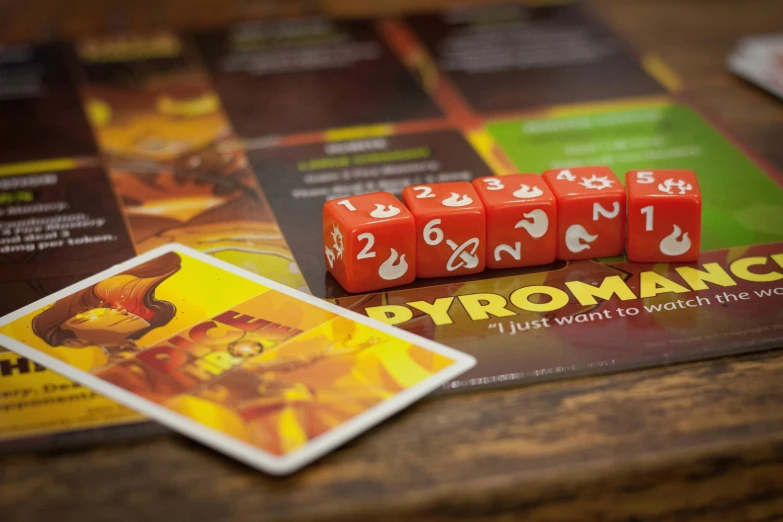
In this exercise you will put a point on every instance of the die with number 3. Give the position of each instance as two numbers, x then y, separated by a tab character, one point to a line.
521	220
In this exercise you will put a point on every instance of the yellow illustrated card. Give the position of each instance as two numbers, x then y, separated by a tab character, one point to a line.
265	374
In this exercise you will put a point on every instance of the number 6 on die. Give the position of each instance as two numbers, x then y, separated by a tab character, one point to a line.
450	228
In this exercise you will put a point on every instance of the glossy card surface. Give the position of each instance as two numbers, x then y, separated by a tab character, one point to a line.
270	376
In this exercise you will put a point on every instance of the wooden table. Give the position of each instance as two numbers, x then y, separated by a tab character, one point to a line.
701	441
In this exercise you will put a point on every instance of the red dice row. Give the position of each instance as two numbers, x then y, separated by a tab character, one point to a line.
374	241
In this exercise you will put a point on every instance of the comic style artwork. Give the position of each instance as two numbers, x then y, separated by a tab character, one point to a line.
176	164
178	334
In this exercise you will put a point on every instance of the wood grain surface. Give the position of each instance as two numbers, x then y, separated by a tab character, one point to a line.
694	442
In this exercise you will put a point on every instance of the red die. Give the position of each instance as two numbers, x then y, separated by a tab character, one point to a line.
590	212
369	242
521	220
664	216
450	228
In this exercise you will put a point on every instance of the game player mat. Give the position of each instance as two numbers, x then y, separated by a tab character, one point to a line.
230	140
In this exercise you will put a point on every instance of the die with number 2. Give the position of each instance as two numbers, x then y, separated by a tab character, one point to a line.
374	241
369	242
591	212
521	220
450	228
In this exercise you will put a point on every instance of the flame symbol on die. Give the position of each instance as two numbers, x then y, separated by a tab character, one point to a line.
457	200
574	237
538	226
384	211
672	246
525	192
391	271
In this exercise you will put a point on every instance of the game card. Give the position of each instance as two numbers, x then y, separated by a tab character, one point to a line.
270	376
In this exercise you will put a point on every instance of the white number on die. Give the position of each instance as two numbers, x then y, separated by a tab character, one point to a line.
494	184
366	252
432	234
423	192
648	212
645	178
599	210
347	204
515	251
566	175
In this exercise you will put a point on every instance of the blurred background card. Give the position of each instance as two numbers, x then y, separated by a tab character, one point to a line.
759	60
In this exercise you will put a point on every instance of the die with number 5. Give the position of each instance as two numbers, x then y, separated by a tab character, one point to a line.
664	216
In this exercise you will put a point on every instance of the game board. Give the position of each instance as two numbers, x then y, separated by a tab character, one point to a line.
229	141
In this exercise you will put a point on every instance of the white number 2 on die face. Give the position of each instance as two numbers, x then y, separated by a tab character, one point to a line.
599	210
423	192
366	252
494	184
648	212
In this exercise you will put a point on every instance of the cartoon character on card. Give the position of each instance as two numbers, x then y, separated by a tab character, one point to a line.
113	313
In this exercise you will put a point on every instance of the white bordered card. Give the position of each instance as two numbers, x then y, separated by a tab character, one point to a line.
268	375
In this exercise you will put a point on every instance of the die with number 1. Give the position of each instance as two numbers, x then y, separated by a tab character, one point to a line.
369	242
664	216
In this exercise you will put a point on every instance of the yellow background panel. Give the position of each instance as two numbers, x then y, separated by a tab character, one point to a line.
199	291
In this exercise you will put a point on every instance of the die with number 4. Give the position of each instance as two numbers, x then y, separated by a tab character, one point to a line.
590	212
521	220
664	216
369	242
450	228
